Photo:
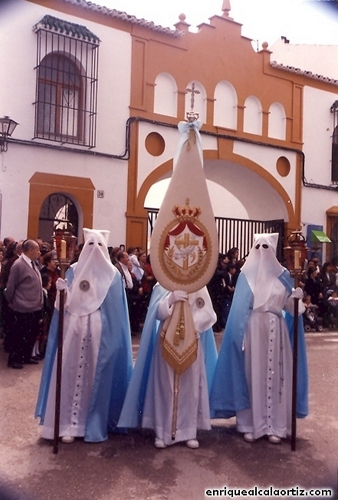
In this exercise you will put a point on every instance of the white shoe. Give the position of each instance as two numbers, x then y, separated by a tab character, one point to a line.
192	443
249	437
68	439
159	443
274	439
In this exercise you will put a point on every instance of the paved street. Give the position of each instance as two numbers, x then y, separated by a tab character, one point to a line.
129	467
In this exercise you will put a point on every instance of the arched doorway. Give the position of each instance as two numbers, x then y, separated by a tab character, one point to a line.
79	190
57	211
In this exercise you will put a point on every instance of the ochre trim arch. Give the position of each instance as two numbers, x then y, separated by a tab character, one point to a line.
137	219
292	210
42	185
166	167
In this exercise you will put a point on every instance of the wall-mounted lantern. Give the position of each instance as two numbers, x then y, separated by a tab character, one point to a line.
7	126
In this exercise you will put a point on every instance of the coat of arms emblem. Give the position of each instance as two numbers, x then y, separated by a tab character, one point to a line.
184	246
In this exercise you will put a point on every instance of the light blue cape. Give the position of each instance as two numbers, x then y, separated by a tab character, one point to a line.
114	365
131	415
230	392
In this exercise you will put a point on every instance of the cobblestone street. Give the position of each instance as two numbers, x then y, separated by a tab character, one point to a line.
129	467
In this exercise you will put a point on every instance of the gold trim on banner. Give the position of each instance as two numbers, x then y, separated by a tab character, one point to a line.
179	339
188	272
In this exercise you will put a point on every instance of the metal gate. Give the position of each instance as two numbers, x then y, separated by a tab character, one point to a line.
235	232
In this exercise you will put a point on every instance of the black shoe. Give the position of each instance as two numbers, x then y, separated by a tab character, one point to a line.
16	366
32	362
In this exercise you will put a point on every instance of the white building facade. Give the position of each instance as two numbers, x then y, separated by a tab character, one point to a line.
98	95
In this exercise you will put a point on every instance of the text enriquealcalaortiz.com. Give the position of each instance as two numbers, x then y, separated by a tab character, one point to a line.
270	491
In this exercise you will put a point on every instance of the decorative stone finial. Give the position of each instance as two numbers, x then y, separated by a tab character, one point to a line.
226	8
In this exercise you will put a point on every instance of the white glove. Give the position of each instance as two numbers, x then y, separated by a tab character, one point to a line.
61	284
177	296
297	293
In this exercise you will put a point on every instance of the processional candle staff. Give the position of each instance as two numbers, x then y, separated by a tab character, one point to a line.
65	247
295	255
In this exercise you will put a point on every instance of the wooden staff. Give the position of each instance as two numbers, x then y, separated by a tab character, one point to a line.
59	367
294	371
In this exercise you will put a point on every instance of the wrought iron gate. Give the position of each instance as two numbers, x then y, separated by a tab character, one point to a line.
235	232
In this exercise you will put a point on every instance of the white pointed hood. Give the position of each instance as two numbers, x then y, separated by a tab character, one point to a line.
262	267
93	274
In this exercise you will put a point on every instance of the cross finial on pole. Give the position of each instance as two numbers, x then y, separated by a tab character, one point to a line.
192	115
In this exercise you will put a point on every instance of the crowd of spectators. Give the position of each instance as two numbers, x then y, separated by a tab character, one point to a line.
320	286
222	285
134	266
27	298
319	283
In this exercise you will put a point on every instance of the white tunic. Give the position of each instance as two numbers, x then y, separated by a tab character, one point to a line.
268	368
193	400
80	353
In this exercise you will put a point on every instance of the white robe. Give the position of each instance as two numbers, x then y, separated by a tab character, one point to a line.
96	354
80	353
268	367
193	400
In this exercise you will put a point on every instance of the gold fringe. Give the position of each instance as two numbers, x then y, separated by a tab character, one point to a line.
182	363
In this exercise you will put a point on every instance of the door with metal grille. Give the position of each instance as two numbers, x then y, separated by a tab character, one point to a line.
57	211
235	232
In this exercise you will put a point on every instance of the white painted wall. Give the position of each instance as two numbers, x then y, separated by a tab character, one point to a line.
267	158
319	59
17	83
317	133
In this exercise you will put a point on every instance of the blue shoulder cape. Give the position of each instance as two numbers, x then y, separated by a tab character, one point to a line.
229	392
114	365
131	415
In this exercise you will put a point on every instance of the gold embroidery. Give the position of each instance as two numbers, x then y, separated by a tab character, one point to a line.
185	246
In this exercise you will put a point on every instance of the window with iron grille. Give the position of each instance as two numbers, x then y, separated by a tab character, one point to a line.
66	82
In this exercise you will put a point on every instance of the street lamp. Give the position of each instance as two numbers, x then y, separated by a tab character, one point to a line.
7	126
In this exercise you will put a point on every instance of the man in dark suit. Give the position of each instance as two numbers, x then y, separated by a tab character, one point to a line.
24	295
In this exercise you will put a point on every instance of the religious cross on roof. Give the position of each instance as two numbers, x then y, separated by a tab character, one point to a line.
192	115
